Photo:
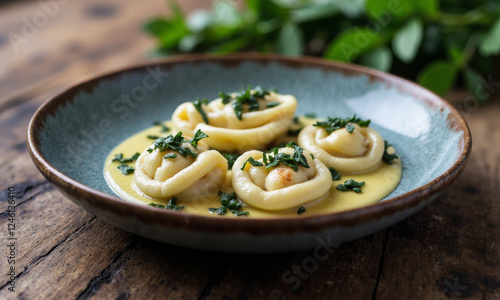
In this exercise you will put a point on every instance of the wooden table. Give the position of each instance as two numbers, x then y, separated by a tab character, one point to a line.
451	249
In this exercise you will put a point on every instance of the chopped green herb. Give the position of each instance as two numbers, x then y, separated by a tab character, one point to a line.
249	97
196	138
164	128
172	204
231	158
312	155
174	143
272	104
228	201
310	115
301	210
197	104
238	109
220	211
252	161
349	128
172	155
126	169
226	98
296	120
119	158
351	184
388	158
294	132
153	137
274	158
239	213
332	124
335	174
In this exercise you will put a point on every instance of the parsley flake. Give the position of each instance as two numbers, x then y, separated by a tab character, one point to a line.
272	104
252	161
310	115
172	205
126	169
351	184
294	132
231	158
386	157
239	213
171	155
335	174
275	158
119	158
196	138
332	124
220	211
225	97
197	104
246	97
175	143
301	210
153	137
228	201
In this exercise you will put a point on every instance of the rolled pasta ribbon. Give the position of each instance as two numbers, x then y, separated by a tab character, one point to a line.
227	132
345	152
182	177
279	187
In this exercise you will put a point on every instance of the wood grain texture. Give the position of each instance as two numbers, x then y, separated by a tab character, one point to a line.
449	250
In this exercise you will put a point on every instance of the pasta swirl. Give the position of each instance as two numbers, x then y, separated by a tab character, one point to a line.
344	151
183	177
255	130
279	187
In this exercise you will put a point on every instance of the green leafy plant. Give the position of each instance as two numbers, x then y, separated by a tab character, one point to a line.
437	43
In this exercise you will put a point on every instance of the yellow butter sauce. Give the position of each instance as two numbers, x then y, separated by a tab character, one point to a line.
379	182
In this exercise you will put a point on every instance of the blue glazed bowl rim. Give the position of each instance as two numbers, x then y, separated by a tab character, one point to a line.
90	198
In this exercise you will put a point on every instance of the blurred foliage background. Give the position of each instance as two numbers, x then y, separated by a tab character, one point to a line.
439	44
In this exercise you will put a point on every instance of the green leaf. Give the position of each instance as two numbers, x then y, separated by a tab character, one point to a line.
456	55
429	7
290	40
439	76
267	9
491	43
385	11
379	58
407	40
350	44
156	26
314	11
230	46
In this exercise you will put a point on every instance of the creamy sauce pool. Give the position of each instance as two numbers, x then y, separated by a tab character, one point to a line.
379	182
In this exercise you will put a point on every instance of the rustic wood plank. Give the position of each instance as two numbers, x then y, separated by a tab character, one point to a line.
82	38
152	270
68	269
346	272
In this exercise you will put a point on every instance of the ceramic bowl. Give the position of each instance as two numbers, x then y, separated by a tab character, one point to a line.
71	134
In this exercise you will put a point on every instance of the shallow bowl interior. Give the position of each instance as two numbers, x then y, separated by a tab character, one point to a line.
71	135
